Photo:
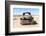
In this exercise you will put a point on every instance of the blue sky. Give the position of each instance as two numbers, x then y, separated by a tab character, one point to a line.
19	11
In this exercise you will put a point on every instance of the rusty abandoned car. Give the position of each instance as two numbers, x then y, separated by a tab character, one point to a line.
27	19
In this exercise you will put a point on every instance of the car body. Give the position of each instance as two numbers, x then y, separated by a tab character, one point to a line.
27	19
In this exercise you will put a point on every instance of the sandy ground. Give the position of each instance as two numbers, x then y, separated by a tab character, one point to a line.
18	27
17	22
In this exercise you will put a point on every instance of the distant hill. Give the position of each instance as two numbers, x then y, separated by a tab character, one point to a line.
22	15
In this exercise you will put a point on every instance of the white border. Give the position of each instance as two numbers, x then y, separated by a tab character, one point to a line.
22	6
